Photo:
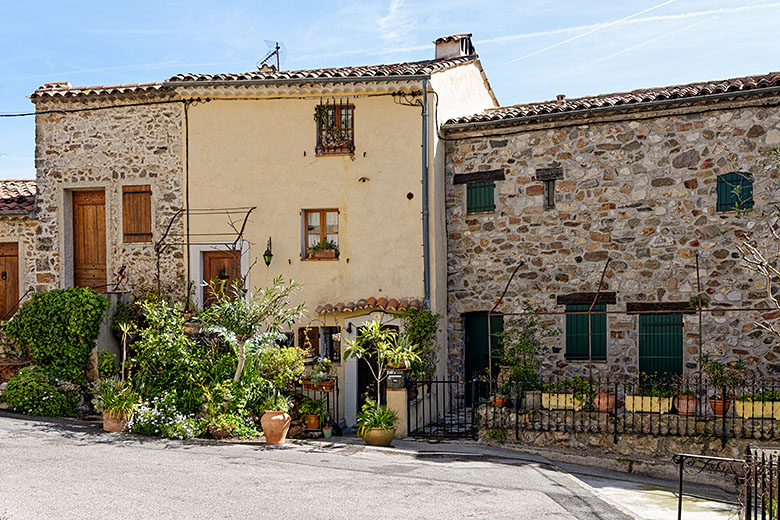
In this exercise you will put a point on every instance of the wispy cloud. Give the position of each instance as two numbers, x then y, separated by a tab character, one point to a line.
591	31
396	25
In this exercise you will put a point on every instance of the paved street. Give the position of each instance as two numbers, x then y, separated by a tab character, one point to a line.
71	470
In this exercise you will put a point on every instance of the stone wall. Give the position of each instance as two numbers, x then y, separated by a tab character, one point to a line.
109	148
23	230
639	188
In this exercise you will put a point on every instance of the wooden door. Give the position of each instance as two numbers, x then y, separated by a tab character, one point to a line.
9	279
220	267
660	344
89	239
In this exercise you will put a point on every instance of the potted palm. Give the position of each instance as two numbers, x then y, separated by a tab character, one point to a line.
381	344
276	421
116	400
724	377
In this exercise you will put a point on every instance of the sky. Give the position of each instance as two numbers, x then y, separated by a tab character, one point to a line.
531	50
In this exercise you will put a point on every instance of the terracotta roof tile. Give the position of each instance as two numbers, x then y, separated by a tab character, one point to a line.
409	68
633	98
371	303
65	90
17	195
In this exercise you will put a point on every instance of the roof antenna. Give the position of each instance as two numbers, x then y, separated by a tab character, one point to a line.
278	49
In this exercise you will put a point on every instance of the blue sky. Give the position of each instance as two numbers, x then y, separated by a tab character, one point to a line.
531	49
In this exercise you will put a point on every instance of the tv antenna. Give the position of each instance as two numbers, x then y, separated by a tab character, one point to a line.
277	49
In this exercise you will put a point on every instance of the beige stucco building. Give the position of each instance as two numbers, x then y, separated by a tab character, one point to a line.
197	176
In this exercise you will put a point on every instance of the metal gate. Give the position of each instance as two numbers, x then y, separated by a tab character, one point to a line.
441	409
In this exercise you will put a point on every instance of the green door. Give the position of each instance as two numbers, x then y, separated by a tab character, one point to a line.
660	344
476	355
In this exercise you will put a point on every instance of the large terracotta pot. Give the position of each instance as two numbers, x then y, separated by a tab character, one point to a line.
378	436
604	402
686	405
115	424
720	407
312	422
275	425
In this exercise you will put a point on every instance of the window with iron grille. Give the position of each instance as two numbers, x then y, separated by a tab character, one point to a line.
735	191
331	343
480	196
335	128
577	333
309	340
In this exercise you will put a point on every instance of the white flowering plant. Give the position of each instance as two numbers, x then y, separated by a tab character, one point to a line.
160	418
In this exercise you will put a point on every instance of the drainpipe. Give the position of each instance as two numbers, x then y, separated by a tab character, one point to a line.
425	206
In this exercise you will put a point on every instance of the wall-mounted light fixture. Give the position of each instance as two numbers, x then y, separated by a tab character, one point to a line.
268	255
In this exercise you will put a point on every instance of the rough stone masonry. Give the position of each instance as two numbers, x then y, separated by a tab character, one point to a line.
638	186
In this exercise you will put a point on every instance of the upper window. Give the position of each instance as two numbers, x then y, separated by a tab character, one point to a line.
320	233
577	332
549	194
335	128
735	191
480	196
137	213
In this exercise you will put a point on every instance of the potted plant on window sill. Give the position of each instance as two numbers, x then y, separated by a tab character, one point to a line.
117	401
319	378
324	250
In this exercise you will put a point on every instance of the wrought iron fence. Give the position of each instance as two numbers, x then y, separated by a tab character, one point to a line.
650	406
762	476
328	392
729	469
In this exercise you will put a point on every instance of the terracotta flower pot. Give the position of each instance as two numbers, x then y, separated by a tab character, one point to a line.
378	436
686	405
115	424
312	422
604	402
327	431
720	407
498	402
275	425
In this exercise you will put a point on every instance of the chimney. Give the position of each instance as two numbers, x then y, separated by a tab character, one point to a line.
561	99
454	46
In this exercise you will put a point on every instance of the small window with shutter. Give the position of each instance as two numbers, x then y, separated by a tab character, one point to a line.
137	213
309	340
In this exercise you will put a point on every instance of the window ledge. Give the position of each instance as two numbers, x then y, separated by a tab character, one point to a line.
599	361
319	259
333	154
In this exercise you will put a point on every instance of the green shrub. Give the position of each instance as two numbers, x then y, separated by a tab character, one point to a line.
281	366
239	426
373	416
34	391
107	365
59	328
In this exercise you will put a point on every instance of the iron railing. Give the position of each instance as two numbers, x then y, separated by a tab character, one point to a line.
441	409
680	407
329	394
729	469
761	493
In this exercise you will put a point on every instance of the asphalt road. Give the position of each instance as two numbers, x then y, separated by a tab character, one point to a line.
67	469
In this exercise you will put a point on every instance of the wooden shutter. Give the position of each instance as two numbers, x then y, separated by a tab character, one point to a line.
660	343
735	191
577	332
137	213
480	196
310	341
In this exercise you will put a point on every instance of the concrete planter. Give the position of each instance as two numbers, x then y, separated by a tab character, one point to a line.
648	404
562	402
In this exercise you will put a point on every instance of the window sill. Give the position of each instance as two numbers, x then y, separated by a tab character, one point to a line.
600	361
487	212
319	259
333	154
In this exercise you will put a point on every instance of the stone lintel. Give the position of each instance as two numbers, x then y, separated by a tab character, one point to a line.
582	298
490	175
549	174
640	307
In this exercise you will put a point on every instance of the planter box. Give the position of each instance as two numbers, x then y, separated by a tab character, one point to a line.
326	254
325	386
648	404
757	409
533	400
561	402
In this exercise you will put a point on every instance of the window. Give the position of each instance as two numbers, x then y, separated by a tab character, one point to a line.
309	340
320	234
735	191
480	196
137	213
549	194
331	343
577	332
335	128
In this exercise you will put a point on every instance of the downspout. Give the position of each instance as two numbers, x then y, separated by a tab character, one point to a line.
188	282
425	206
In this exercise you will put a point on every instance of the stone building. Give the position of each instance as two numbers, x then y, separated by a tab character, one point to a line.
652	180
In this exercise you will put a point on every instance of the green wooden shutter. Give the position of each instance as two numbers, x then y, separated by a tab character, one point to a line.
479	196
577	332
660	343
735	191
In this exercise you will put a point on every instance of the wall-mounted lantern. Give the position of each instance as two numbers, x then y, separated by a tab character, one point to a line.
268	255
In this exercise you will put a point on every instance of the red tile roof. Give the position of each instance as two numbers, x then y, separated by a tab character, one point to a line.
391	304
410	68
17	195
65	90
634	98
